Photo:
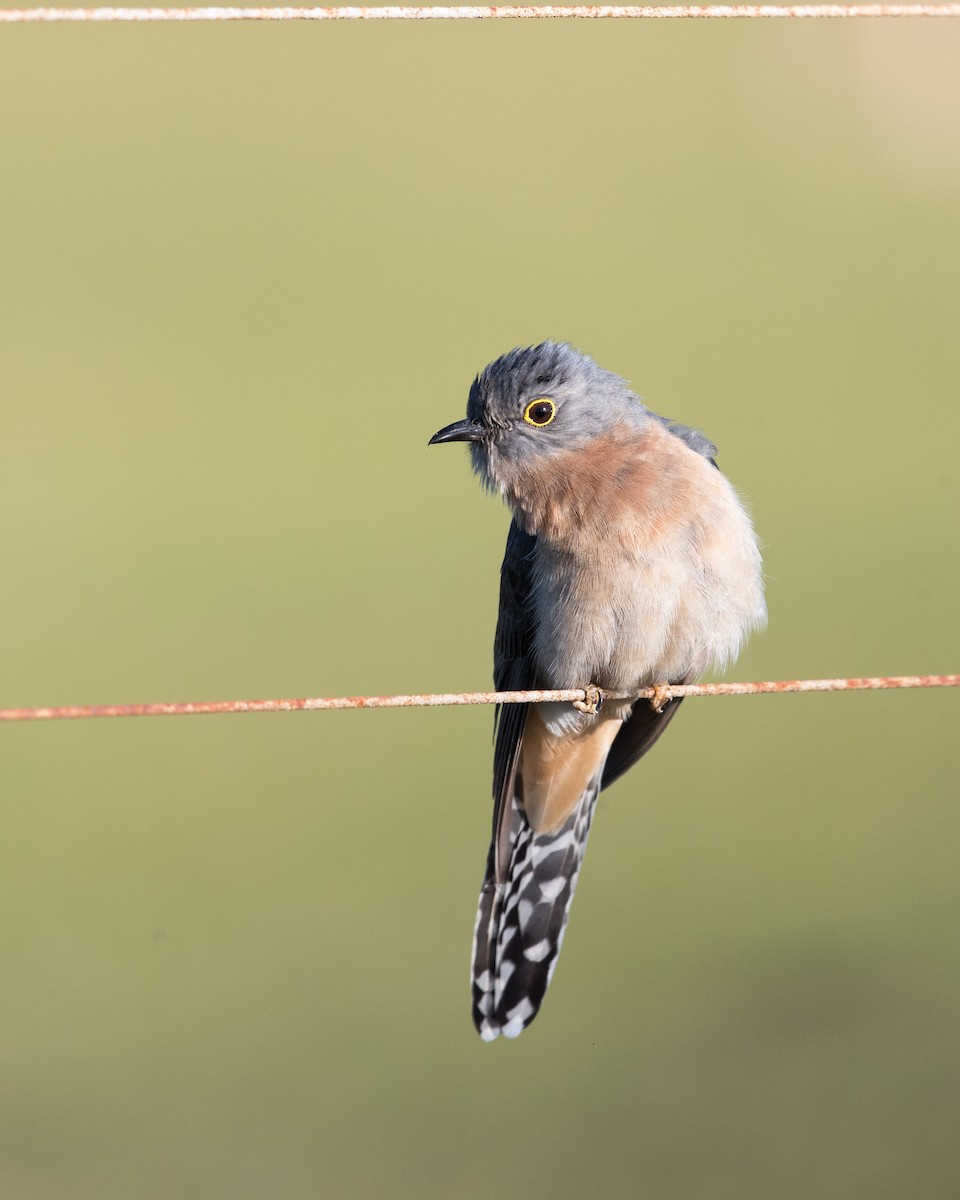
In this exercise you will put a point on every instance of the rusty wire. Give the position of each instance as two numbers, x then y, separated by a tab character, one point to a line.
13	16
659	695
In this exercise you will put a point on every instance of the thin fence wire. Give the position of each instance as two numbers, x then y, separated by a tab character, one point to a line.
14	16
658	696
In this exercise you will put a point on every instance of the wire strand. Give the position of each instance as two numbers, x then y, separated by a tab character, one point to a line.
659	695
14	16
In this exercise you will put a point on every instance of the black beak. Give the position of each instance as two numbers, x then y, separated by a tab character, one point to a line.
459	431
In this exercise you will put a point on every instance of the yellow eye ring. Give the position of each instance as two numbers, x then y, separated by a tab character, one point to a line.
540	412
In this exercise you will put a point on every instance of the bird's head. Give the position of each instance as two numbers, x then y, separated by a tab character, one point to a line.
533	404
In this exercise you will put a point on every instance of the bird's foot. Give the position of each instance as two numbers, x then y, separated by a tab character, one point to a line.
592	700
662	695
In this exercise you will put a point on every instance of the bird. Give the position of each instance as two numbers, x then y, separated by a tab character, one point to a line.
630	562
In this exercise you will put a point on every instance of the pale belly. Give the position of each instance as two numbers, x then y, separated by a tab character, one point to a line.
624	618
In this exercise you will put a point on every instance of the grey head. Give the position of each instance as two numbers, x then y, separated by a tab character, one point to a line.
537	401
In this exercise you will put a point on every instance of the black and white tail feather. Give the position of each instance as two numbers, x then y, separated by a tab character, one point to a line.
521	920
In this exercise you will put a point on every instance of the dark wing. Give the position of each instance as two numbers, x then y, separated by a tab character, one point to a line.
512	645
637	734
513	670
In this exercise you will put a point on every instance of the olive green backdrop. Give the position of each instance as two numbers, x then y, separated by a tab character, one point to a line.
245	272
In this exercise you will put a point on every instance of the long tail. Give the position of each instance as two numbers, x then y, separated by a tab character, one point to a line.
520	922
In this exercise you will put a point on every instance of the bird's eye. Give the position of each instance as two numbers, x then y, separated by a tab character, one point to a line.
540	412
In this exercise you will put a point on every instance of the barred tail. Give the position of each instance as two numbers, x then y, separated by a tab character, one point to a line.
520	922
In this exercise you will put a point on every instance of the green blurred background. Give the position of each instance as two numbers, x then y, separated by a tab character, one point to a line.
245	272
